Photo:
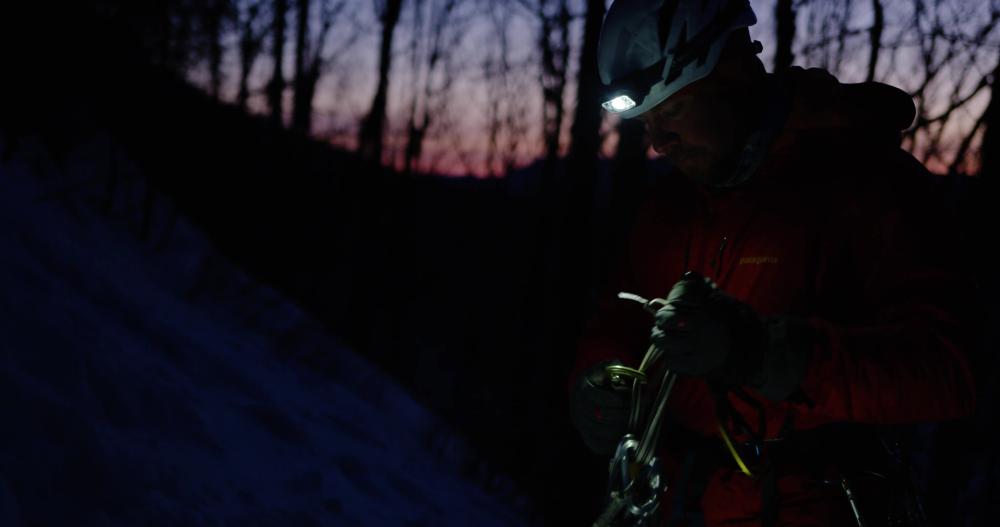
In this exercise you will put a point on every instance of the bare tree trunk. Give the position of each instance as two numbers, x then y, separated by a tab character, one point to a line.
250	43
370	135
784	16
306	94
427	93
555	52
875	38
585	132
508	119
276	87
313	61
213	29
585	135
300	109
577	225
246	62
414	133
989	168
554	43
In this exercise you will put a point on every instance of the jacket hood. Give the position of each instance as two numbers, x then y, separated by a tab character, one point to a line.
821	105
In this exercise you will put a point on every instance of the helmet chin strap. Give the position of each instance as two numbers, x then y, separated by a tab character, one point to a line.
771	122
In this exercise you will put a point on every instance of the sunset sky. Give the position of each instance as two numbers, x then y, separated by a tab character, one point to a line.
457	143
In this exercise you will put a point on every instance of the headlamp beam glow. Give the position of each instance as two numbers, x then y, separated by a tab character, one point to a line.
619	104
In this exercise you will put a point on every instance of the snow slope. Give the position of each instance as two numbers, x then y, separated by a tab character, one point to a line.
154	384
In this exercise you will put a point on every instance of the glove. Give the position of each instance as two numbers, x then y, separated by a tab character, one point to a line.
600	409
702	331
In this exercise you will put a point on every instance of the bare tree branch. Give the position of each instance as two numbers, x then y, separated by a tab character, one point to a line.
964	145
923	121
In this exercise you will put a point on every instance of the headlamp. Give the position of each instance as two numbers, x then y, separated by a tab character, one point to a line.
628	92
619	104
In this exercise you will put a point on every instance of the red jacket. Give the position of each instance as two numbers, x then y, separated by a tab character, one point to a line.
838	226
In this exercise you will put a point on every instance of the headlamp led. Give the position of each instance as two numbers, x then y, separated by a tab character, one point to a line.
619	104
629	92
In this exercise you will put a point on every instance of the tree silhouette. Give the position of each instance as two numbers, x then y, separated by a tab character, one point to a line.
554	42
276	87
370	135
989	168
875	39
507	122
313	58
215	17
436	32
251	41
784	16
585	132
939	51
299	80
580	180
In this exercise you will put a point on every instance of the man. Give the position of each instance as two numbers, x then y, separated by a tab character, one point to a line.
822	297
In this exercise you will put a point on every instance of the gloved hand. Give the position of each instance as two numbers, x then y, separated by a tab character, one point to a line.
600	409
704	332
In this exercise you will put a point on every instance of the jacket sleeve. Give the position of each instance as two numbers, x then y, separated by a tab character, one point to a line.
896	353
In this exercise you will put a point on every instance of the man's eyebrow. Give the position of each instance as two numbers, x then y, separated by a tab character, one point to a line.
673	109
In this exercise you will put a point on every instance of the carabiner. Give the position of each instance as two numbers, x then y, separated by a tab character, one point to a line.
617	371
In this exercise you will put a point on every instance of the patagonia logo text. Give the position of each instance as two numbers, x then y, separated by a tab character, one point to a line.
758	260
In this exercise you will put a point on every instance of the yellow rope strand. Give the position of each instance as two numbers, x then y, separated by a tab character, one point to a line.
732	450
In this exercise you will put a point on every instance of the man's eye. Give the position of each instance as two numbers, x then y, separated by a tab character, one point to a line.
676	111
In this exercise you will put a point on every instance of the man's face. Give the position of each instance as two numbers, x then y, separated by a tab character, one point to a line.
699	130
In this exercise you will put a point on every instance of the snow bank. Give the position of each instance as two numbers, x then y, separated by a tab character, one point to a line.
151	383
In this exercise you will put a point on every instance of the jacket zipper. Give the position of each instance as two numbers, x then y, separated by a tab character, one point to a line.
717	261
